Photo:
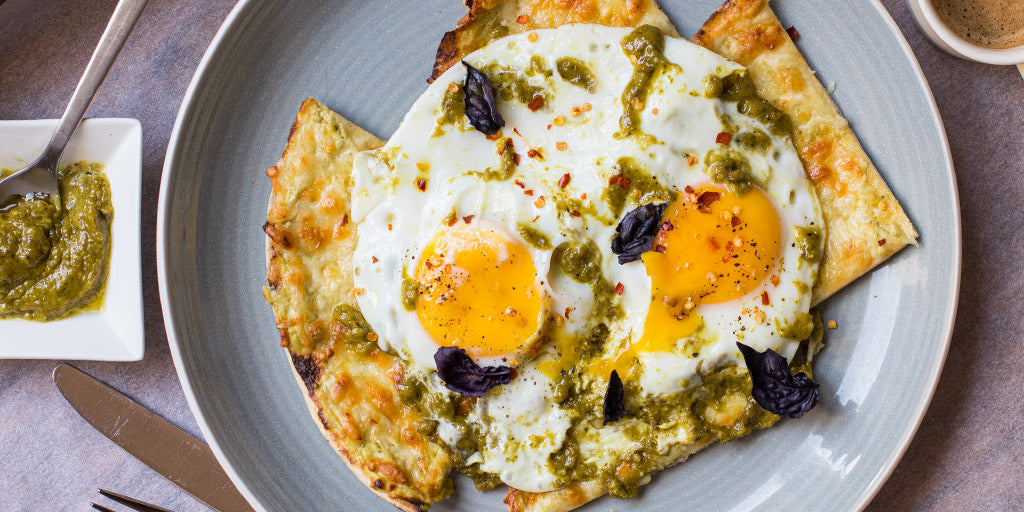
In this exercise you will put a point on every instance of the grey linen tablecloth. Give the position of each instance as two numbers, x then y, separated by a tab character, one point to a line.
968	454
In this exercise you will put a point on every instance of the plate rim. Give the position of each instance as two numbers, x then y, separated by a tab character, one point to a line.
869	492
950	314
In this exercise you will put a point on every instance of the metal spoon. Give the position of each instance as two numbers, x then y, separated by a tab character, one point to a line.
40	176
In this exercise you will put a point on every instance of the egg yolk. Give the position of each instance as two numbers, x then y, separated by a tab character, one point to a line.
712	247
478	291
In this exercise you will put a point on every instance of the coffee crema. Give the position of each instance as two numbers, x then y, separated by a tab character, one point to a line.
995	24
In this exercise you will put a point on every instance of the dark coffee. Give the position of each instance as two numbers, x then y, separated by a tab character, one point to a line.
993	24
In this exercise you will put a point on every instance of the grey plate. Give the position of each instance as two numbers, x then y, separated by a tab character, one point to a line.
369	61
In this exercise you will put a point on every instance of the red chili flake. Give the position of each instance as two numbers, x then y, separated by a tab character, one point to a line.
723	138
619	180
535	218
735	221
520	184
619	288
344	220
515	158
660	248
705	199
691	160
389	227
529	192
764	298
536	104
564	180
467	219
374	259
451	222
522	19
691	194
881	242
667	226
793	34
729	246
421	184
516	131
549	127
567	310
575	213
533	153
583	196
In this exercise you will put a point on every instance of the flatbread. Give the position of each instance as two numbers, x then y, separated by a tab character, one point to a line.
865	223
308	235
352	395
490	19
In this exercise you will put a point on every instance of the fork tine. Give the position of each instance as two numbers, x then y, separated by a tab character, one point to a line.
101	508
141	506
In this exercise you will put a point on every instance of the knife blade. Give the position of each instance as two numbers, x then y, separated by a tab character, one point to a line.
184	460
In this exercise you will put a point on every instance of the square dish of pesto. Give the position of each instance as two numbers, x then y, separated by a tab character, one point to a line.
109	328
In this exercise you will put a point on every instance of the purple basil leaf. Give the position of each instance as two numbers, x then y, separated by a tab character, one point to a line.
635	234
481	106
614	399
775	388
461	375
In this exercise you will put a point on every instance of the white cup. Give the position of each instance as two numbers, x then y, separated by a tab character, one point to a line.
944	37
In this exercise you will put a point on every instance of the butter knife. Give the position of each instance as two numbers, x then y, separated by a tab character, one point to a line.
184	460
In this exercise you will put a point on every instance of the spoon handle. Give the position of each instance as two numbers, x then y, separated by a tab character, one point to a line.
121	22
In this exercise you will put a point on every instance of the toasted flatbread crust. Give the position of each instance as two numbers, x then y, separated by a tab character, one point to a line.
351	395
865	222
490	19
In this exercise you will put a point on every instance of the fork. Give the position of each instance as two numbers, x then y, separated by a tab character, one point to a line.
135	504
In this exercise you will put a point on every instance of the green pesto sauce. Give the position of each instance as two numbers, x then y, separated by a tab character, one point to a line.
534	237
738	87
410	292
800	329
755	140
712	86
688	408
453	110
354	327
646	44
413	392
54	260
801	287
510	85
729	167
643	187
808	242
506	163
538	67
581	262
576	72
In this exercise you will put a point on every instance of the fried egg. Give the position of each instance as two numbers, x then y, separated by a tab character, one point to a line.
501	245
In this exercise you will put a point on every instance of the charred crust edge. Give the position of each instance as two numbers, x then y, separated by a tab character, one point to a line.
447	55
308	369
417	504
278	234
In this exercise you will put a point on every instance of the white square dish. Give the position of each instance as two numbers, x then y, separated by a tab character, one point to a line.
115	332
